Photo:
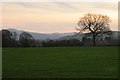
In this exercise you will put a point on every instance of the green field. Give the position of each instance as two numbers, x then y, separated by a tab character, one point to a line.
60	62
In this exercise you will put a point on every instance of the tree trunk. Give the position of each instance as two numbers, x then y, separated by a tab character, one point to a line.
94	41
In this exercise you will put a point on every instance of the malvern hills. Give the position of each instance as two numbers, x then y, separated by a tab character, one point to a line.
70	35
43	36
68	39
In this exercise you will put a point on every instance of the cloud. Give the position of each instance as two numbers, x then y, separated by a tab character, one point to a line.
65	5
68	6
106	5
45	5
49	13
59	0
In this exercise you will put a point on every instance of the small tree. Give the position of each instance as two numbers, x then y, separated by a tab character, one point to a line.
26	40
8	38
95	24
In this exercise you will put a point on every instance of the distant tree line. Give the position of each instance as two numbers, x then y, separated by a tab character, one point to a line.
10	39
59	43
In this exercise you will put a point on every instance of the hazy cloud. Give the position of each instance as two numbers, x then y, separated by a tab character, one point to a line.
38	16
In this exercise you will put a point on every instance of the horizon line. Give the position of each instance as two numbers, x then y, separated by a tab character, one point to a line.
45	33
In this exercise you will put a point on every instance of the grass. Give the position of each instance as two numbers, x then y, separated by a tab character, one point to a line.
60	62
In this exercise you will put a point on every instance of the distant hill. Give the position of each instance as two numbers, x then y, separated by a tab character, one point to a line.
75	36
60	36
65	39
41	36
115	35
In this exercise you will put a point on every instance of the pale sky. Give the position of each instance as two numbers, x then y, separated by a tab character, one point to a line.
50	17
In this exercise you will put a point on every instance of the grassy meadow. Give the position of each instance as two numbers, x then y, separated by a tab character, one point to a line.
60	62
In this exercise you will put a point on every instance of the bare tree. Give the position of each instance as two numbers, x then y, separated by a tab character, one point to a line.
95	24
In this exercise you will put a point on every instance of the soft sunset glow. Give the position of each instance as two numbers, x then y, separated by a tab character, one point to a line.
49	17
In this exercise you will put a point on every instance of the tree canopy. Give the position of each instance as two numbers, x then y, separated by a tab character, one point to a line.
94	23
26	39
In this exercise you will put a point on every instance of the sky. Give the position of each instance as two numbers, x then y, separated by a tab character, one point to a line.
54	17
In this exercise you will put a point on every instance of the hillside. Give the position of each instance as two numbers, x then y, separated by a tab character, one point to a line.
62	36
43	36
115	35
